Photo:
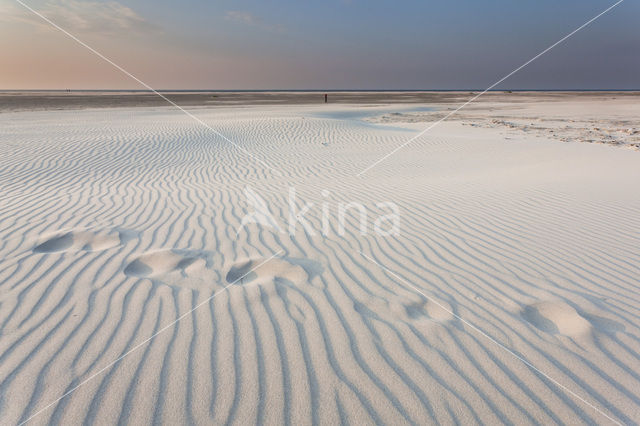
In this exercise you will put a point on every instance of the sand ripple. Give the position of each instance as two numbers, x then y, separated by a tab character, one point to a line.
116	223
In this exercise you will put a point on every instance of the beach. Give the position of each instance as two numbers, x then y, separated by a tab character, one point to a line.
215	267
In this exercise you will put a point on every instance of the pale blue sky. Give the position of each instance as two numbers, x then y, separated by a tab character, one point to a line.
333	44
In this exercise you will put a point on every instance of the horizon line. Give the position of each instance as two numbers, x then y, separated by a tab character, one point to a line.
313	90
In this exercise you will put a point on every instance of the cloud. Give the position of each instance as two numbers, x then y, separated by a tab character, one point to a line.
247	18
97	18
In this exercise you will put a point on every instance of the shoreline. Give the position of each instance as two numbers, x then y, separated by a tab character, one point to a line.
18	101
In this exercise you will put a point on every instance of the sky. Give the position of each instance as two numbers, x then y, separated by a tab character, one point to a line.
329	44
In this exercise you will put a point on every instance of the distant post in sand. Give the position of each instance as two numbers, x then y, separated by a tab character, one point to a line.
325	98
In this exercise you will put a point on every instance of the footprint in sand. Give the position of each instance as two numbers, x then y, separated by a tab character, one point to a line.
438	312
161	262
276	277
175	268
423	309
556	317
73	241
417	309
260	271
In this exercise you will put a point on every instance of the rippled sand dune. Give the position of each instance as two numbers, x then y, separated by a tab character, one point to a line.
510	294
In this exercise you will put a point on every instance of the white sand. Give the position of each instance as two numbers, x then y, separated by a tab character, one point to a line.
116	222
